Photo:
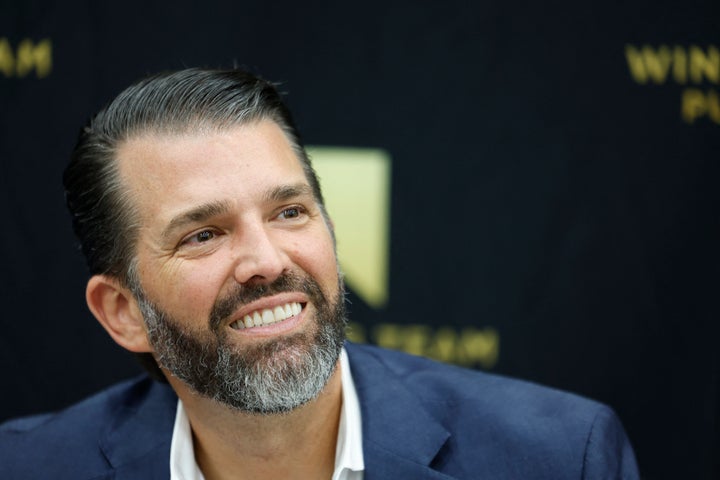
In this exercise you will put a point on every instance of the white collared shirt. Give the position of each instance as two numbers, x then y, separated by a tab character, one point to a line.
349	463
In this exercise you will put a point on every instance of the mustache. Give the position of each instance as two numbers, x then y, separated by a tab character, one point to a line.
243	294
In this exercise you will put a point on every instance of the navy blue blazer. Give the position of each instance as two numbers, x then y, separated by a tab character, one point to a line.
421	420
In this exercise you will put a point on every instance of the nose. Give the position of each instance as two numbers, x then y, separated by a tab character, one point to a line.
257	258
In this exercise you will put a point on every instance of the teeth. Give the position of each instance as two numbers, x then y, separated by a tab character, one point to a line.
267	316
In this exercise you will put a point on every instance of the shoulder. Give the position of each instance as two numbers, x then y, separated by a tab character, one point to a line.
547	428
70	441
448	384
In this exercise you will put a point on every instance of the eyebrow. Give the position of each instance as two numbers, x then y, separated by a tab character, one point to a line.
195	215
288	192
209	210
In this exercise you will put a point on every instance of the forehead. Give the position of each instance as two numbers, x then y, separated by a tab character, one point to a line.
233	164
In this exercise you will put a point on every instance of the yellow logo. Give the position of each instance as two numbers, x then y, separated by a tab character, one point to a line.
682	65
356	187
28	56
468	346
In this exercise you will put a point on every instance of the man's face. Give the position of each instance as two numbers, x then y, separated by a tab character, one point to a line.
236	264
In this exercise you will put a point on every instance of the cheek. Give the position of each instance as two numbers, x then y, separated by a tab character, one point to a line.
184	290
318	260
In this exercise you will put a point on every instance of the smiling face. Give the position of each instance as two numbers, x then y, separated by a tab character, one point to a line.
236	264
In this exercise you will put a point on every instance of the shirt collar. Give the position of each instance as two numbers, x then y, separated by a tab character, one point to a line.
348	450
182	455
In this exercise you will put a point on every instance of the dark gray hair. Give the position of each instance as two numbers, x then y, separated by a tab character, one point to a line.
103	215
104	219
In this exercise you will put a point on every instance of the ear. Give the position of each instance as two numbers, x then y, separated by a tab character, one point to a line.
117	311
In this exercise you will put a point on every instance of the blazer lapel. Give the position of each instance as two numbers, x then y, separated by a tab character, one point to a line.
137	444
383	464
400	437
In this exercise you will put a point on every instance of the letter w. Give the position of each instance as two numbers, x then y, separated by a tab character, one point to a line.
648	64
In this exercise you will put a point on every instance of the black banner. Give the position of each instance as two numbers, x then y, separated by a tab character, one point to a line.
550	174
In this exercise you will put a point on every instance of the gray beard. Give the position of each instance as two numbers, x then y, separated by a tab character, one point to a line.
272	377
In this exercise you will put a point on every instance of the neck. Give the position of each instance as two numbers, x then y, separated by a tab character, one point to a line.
231	444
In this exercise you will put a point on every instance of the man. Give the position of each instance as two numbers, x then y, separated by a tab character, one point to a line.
212	258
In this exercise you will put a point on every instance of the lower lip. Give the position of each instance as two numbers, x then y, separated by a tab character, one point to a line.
274	328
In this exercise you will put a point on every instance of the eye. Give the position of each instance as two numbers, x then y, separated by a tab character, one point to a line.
200	237
292	212
204	236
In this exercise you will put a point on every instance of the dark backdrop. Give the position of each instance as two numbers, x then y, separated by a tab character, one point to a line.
554	170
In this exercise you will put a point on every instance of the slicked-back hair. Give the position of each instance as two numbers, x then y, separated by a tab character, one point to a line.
195	100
